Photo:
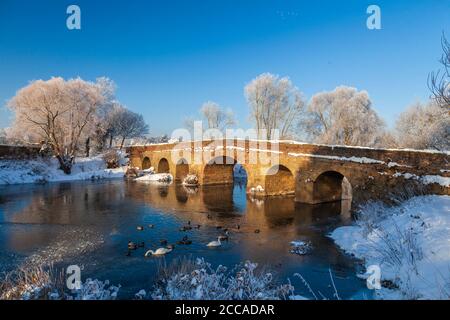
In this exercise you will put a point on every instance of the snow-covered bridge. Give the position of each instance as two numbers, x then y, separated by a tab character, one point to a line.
313	173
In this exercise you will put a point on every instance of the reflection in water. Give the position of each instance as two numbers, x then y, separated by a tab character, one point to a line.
90	223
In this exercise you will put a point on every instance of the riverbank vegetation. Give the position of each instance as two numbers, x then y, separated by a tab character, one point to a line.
197	280
37	282
409	242
183	279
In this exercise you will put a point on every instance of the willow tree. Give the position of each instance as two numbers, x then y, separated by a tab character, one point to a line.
59	112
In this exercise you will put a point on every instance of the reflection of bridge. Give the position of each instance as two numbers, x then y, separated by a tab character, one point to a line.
314	173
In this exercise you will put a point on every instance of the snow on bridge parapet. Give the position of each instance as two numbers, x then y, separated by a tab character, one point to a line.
351	159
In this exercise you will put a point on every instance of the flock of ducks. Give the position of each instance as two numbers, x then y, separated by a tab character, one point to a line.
184	241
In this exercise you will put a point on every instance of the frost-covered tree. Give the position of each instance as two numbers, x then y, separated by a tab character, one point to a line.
58	112
214	116
424	126
343	116
126	124
439	82
275	104
98	131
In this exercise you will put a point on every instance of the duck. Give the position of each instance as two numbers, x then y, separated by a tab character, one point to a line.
257	231
208	216
224	237
158	252
238	226
170	246
197	226
128	254
218	227
185	240
132	245
151	226
185	228
214	243
163	242
141	245
140	228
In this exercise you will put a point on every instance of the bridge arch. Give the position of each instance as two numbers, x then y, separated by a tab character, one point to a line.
331	186
163	166
181	169
221	170
279	180
146	163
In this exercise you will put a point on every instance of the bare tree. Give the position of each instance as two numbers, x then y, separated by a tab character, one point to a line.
214	116
126	124
275	104
424	126
439	82
343	116
58	112
107	129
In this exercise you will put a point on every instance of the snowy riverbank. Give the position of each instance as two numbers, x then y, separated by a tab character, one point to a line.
410	243
47	170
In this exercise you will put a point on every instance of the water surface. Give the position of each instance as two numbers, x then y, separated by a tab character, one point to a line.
90	224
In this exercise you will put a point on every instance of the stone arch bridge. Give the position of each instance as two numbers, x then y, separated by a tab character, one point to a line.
313	173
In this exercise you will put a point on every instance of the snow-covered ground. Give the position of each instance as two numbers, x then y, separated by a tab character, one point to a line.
410	243
428	179
47	170
156	177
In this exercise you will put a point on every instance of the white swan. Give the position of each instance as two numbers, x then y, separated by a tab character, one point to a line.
158	252
215	243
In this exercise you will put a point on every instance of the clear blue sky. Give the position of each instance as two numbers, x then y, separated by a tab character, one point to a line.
168	57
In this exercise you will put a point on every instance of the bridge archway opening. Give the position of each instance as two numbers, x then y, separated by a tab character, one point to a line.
146	163
163	166
331	186
219	170
279	181
240	174
181	170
